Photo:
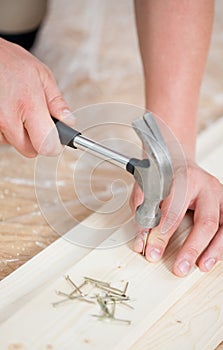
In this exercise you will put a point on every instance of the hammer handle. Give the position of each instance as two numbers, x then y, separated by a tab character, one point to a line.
73	138
66	133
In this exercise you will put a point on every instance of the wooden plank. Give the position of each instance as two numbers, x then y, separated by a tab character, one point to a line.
59	256
28	319
76	321
199	326
194	322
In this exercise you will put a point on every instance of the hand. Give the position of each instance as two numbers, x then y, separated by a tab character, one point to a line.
28	94
204	244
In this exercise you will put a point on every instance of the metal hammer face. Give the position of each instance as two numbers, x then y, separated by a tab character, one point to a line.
154	175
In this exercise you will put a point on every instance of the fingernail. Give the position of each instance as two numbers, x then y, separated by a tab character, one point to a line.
163	231
138	244
155	254
66	113
209	263
68	117
184	267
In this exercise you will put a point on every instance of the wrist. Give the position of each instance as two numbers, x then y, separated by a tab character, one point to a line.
182	127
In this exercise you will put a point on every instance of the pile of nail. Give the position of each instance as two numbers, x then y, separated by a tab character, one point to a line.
106	297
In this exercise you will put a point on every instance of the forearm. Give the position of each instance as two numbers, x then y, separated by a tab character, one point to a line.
174	39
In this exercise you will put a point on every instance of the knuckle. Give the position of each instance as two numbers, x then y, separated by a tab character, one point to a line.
46	73
56	100
170	220
155	240
57	105
209	224
47	70
193	252
23	106
172	217
160	241
214	183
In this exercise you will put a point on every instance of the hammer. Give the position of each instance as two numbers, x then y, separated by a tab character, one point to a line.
153	174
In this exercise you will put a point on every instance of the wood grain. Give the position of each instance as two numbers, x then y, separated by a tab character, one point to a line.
155	281
23	230
169	312
62	47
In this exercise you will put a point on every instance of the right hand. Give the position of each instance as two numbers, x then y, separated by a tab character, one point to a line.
28	95
203	246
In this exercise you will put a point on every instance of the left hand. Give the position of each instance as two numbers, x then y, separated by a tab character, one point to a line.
204	244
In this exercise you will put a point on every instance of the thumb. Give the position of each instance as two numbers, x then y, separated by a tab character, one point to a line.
160	235
57	106
173	209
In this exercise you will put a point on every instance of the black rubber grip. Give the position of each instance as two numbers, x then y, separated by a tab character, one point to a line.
66	133
133	162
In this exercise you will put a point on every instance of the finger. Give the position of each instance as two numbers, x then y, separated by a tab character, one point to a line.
214	251
57	106
2	138
206	221
135	200
155	246
173	210
39	125
138	245
17	137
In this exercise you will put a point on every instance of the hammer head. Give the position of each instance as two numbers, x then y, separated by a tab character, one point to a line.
155	175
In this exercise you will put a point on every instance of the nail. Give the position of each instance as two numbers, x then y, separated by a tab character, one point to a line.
145	238
112	290
94	281
125	288
209	263
155	254
76	288
184	267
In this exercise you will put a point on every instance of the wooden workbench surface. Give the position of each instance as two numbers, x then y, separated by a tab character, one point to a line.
168	312
91	66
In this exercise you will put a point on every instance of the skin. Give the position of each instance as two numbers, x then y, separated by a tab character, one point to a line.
174	38
31	95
